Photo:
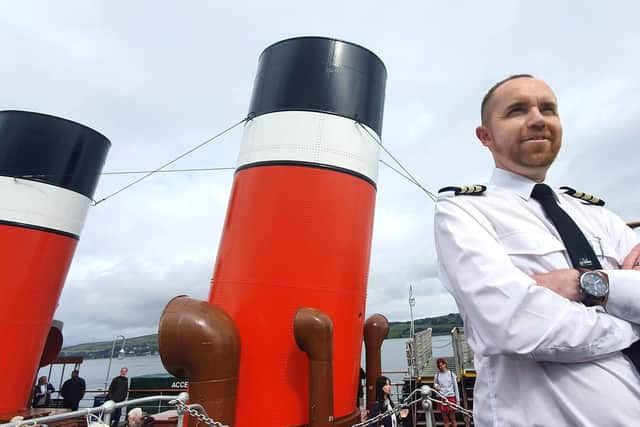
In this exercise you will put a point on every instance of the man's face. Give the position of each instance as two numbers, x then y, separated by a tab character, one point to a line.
523	129
123	372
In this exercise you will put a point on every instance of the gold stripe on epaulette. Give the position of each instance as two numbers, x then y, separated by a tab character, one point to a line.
583	196
469	190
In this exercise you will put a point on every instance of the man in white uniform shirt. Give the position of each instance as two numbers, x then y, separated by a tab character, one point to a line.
543	358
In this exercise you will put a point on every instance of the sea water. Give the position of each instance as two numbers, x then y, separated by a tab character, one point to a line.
94	371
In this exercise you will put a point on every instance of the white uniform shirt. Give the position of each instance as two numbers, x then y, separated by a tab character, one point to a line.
541	359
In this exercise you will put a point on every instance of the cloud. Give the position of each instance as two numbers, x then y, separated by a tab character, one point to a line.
160	79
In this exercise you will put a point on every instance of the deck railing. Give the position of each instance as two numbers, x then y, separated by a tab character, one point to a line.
94	398
104	411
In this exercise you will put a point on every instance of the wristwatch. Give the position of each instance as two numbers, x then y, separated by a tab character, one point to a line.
594	285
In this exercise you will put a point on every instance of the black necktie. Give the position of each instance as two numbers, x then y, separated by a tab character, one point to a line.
580	251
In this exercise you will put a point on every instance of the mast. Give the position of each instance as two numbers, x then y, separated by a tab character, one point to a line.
411	344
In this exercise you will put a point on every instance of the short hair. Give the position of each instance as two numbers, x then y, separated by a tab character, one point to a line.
75	372
487	97
441	360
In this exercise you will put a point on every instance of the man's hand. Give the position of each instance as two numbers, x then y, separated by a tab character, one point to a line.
632	261
564	282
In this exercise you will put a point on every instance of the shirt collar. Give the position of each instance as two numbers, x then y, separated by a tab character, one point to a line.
519	184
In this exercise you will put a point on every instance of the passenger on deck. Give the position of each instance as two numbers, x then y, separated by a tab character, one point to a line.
547	283
42	393
383	403
118	391
445	382
360	395
72	391
137	418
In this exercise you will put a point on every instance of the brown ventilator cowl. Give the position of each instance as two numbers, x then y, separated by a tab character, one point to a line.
313	331
376	329
200	342
53	345
348	420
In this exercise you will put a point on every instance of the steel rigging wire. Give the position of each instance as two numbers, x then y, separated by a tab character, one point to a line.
161	169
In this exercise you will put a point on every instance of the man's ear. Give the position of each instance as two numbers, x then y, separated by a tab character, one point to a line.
483	134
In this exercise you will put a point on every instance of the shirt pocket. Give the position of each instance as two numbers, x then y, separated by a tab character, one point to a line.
605	251
534	251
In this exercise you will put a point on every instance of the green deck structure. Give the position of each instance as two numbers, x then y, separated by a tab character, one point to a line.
153	385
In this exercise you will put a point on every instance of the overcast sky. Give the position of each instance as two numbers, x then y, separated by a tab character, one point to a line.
158	78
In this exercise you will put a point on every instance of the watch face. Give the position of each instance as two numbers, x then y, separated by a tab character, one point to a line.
594	285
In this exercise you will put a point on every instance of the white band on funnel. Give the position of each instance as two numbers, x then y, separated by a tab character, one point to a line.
39	205
307	136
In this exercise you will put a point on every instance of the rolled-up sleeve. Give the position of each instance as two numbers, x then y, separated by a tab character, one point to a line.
508	312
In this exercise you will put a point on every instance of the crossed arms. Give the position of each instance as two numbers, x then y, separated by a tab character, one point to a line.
533	314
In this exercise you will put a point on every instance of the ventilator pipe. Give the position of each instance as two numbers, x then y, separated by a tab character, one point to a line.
313	331
200	342
51	350
348	420
53	345
376	329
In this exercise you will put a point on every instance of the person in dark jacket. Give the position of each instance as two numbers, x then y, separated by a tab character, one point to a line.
72	391
384	403
360	396
118	391
42	393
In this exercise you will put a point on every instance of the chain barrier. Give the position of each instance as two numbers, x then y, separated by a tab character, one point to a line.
444	401
201	417
425	396
423	393
405	404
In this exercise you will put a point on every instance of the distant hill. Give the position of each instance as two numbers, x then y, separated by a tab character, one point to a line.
137	346
440	325
148	344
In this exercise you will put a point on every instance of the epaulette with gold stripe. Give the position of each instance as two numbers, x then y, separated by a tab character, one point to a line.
583	196
469	190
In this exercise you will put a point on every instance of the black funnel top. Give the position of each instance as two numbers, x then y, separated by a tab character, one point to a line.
321	74
49	149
